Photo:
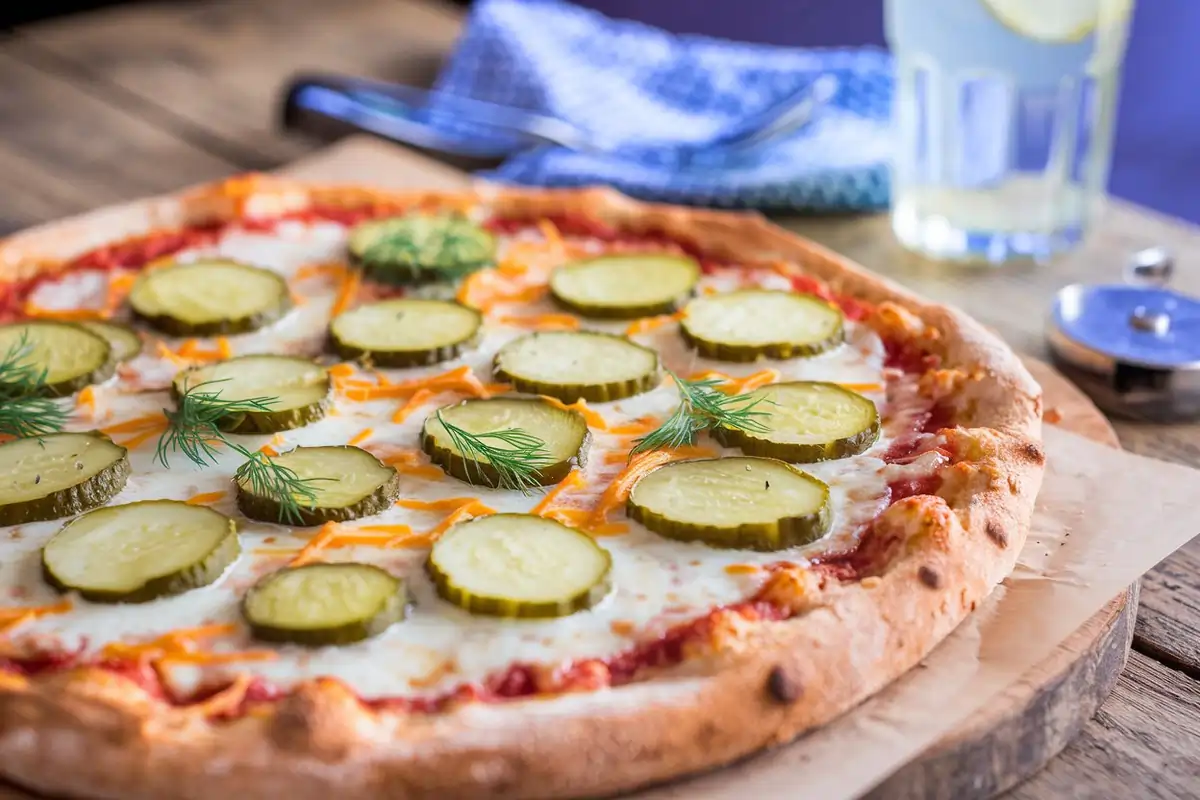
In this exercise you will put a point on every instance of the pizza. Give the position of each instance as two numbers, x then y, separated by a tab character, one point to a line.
320	491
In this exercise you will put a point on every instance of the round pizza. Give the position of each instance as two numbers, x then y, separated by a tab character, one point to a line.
318	491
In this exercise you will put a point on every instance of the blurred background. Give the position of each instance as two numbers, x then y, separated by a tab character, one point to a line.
1157	156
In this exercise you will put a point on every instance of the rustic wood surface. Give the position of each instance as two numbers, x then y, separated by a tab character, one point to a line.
143	98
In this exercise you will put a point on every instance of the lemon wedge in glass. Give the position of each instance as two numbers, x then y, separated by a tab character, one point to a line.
1059	21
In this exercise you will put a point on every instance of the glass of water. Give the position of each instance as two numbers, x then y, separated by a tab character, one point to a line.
1004	114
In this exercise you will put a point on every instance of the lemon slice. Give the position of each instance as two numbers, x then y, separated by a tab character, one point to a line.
1059	21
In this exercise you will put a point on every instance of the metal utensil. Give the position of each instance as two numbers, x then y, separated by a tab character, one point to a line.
1133	346
331	103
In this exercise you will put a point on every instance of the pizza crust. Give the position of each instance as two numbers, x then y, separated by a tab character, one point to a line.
89	733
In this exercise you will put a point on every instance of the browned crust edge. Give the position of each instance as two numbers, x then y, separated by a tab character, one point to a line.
90	734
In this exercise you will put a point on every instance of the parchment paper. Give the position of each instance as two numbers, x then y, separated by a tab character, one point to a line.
1115	515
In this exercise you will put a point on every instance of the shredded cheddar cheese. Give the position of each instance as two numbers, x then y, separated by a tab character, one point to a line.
541	322
590	416
419	398
86	401
180	647
143	429
411	462
618	491
333	270
347	292
204	498
461	380
647	324
743	569
574	480
334	535
11	618
271	448
361	436
732	385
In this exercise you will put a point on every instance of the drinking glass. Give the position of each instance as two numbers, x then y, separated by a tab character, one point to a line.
1004	113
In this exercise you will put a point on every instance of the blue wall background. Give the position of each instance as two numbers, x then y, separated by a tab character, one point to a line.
1157	160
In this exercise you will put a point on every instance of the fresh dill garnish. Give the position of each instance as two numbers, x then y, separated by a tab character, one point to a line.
701	406
24	412
516	465
194	429
422	241
268	478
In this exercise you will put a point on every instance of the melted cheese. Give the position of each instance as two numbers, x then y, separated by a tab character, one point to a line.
658	582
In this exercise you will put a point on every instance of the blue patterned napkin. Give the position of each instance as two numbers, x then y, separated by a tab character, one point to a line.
653	97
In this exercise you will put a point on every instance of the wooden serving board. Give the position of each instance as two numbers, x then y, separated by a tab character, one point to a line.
1010	738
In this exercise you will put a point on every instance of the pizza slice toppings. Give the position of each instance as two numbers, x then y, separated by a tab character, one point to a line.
491	442
625	286
735	502
138	552
209	298
519	565
827	400
319	605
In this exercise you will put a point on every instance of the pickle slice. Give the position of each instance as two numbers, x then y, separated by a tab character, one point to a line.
750	324
348	483
565	434
209	298
125	342
519	565
806	421
66	356
742	503
577	365
420	248
405	333
324	604
138	552
625	286
59	475
298	391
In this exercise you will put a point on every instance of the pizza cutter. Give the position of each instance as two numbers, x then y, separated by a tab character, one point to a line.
1134	347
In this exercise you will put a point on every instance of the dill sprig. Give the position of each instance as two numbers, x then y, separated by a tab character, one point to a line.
516	464
701	406
194	429
24	412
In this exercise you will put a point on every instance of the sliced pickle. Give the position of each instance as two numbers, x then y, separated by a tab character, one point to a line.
565	434
750	324
577	365
67	357
126	343
297	391
519	565
324	604
806	421
59	475
625	286
420	248
740	503
405	333
209	298
138	552
348	483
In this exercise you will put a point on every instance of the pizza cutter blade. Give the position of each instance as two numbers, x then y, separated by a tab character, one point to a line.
1134	347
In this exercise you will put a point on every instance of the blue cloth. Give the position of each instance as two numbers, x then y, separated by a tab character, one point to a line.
653	98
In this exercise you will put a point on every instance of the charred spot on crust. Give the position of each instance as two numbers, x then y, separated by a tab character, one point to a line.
929	576
782	689
995	532
1032	451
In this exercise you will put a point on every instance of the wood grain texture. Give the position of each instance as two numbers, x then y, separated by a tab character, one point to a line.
213	71
62	150
1143	745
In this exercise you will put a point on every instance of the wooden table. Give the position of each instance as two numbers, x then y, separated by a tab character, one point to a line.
149	97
